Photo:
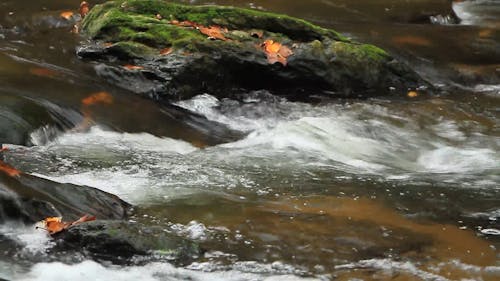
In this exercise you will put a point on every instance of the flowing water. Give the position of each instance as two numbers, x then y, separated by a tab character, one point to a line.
349	190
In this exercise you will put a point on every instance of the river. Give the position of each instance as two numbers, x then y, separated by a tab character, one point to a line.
376	189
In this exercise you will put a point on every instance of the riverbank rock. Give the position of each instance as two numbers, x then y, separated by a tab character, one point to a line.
31	199
170	52
120	241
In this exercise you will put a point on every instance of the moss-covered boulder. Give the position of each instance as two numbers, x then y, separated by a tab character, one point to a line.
179	51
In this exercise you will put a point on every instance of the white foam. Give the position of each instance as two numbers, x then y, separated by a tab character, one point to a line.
34	241
89	270
121	141
448	159
393	266
477	12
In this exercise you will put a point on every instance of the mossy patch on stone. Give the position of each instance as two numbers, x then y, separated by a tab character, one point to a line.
148	22
318	60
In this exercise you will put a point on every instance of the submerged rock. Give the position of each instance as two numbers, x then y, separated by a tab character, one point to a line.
120	241
30	199
179	51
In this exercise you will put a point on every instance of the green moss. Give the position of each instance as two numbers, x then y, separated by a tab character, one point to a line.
135	24
135	20
359	53
130	49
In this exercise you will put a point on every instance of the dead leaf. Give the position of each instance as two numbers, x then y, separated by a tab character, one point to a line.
2	149
55	225
485	33
107	44
9	170
132	67
271	47
213	32
166	51
83	219
67	15
101	97
185	23
84	9
276	52
43	72
412	94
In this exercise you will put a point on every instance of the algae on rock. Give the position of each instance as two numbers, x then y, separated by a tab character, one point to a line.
323	61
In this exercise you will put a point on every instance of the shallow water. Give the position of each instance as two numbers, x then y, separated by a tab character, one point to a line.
351	189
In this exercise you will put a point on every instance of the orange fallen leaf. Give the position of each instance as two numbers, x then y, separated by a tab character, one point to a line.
2	149
67	15
186	23
412	94
485	33
271	47
101	97
412	40
166	51
107	44
43	72
276	52
9	170
83	219
84	8
132	67
55	225
213	32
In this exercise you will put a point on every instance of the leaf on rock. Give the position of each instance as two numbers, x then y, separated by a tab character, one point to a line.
213	32
9	170
55	225
43	72
132	67
67	15
412	94
2	149
186	23
101	97
84	9
166	51
276	52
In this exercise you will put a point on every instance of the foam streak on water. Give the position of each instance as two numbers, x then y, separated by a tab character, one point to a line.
89	270
360	138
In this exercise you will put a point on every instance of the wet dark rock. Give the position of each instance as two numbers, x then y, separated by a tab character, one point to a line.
120	241
323	63
20	117
30	199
